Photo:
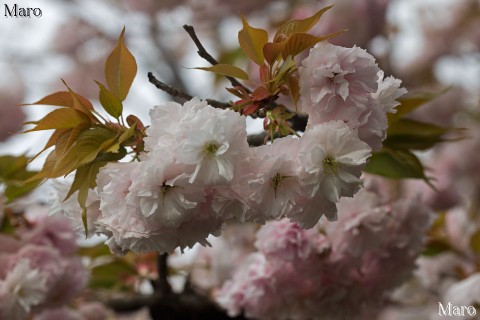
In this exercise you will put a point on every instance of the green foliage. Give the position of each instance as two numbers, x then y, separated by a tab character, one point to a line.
82	143
404	136
396	164
110	102
14	174
475	242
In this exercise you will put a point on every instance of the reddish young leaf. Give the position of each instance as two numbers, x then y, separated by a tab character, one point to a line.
260	93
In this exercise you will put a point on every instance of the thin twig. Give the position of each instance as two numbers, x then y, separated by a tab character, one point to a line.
168	89
174	92
202	52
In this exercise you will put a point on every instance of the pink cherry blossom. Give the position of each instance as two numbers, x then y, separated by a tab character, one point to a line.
335	83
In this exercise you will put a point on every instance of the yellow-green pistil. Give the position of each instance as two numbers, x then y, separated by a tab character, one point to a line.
165	188
276	180
329	165
210	149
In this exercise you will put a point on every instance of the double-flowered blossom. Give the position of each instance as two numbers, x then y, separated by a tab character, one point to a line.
154	208
176	196
211	141
197	170
341	270
338	83
39	269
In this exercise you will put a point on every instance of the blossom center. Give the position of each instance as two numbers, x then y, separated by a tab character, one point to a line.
165	188
276	180
329	165
210	149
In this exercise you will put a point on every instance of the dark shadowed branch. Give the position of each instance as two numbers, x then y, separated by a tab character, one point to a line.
202	52
174	92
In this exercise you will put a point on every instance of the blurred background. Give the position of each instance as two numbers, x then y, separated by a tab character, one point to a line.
431	45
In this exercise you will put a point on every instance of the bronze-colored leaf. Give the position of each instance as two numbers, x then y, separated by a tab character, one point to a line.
298	42
272	51
62	99
296	26
120	69
293	82
64	118
227	70
51	141
251	41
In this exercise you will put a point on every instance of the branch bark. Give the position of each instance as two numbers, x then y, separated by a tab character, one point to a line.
202	52
174	92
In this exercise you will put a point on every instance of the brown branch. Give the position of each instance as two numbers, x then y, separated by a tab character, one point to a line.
202	52
162	284
173	306
174	92
255	140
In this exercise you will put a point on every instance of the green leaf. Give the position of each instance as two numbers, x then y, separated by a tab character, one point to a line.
64	118
47	169
14	175
411	103
110	102
9	165
293	82
127	134
51	141
285	70
295	26
475	242
95	251
396	164
434	248
17	186
6	227
411	134
251	41
85	179
109	275
120	69
227	70
87	146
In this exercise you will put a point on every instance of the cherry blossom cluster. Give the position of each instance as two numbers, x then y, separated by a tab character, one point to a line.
38	269
198	170
329	270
